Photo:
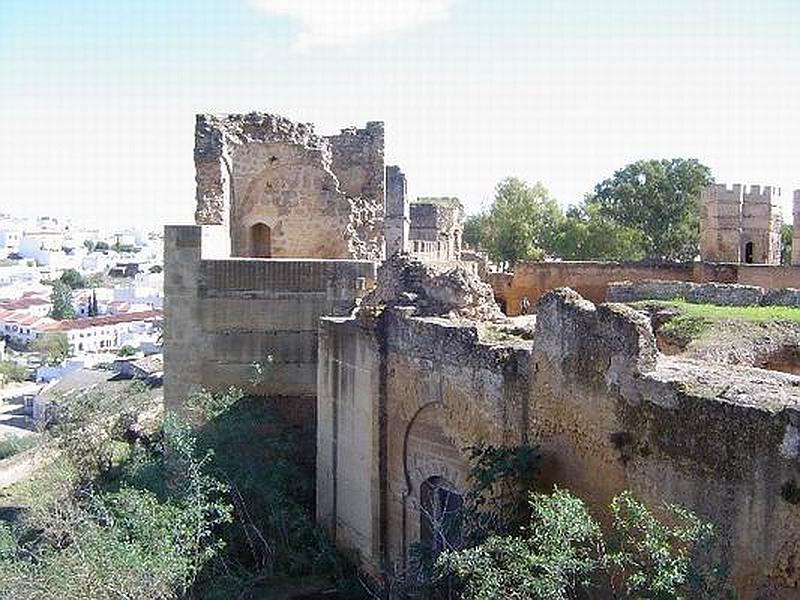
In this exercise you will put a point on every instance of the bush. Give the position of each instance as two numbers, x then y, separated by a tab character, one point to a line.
563	554
11	371
127	537
15	445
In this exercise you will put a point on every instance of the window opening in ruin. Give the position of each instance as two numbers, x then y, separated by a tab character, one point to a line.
260	241
440	515
748	252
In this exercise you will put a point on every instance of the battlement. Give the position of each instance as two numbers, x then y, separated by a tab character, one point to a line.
765	194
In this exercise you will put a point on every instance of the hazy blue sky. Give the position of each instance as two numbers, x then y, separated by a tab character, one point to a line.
97	97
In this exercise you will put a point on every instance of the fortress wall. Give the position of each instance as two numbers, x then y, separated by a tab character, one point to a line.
225	314
608	412
589	278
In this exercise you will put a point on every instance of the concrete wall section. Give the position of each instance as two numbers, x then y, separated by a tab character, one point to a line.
225	315
348	434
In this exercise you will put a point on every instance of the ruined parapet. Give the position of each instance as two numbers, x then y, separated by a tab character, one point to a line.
432	290
281	190
436	228
398	218
796	228
596	346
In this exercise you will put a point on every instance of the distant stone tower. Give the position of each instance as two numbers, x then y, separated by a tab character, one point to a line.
740	225
796	228
397	220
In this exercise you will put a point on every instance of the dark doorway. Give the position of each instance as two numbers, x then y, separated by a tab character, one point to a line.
260	241
440	515
748	253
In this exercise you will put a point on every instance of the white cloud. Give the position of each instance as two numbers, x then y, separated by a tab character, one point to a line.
347	22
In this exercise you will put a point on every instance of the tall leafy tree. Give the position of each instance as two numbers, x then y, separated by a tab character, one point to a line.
61	299
73	279
522	222
585	234
787	232
660	199
54	347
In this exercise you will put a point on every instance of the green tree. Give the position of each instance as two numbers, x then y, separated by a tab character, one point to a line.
89	244
73	279
53	346
660	199
585	234
11	371
101	247
786	243
475	232
61	299
522	222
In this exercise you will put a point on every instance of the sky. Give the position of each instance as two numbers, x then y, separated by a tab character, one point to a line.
97	97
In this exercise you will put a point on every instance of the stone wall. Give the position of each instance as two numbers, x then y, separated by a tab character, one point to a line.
281	190
592	278
401	397
589	278
721	294
223	315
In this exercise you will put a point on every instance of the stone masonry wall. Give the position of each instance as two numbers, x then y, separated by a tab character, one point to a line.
224	315
320	197
592	278
608	411
722	294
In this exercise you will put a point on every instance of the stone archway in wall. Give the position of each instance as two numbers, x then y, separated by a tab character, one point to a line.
436	471
260	236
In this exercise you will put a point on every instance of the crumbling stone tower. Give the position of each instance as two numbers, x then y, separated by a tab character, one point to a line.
277	189
397	220
740	225
796	228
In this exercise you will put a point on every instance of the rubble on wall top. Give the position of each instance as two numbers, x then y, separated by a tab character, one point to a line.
432	290
254	127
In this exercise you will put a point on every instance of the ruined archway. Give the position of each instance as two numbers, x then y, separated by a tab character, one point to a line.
436	472
260	241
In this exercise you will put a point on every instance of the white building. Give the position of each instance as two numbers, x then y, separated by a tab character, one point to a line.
103	333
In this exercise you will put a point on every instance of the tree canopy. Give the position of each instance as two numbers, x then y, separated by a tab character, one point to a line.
647	210
659	199
519	225
61	299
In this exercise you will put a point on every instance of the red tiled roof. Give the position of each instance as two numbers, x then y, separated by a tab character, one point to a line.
22	303
86	322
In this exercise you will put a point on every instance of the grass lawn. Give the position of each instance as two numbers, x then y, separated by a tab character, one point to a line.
697	321
712	312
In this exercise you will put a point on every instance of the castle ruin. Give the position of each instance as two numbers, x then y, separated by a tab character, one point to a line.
308	257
